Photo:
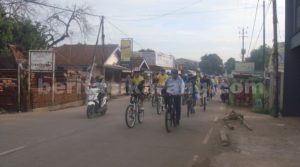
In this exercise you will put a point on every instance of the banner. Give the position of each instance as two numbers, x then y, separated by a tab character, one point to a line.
244	67
126	49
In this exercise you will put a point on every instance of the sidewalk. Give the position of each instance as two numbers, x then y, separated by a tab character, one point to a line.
274	142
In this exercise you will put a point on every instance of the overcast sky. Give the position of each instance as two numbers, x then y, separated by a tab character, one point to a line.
187	29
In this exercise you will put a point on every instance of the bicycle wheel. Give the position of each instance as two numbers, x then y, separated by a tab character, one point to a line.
168	120
159	105
154	101
130	116
188	107
140	116
204	104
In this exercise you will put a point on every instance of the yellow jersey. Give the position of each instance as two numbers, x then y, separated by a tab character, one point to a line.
137	79
162	79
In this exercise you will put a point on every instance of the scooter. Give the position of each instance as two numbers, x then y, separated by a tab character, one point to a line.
224	94
97	102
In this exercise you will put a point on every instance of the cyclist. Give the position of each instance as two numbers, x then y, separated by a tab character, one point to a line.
175	87
204	87
138	82
162	77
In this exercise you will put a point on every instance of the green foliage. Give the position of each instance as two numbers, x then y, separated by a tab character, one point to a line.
21	32
258	58
230	65
211	64
6	31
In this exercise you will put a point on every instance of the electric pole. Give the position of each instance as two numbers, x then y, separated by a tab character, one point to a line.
103	46
264	36
243	35
275	64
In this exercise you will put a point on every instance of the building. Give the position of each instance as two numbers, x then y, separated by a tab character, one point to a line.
80	58
158	58
291	105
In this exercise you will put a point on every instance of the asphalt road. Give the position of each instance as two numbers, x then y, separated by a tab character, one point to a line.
66	138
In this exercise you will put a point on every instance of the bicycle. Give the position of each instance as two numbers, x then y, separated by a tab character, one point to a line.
154	97
203	99
133	111
189	104
170	116
160	101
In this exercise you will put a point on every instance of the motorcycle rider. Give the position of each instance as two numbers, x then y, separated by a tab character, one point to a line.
101	85
224	90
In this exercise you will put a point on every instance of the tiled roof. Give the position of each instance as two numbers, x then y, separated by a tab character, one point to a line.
82	54
135	61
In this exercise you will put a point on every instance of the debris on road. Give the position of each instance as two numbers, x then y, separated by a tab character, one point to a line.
233	116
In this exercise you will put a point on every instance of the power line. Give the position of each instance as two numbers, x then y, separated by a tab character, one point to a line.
262	25
253	27
90	14
116	27
152	17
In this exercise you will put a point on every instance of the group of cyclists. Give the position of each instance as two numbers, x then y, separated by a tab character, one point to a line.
176	86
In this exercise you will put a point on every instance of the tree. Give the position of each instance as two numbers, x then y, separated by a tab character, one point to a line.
211	64
230	65
256	57
58	22
21	32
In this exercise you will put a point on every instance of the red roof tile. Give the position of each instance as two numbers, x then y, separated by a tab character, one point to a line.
82	54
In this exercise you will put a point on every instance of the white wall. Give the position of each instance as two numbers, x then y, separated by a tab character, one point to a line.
159	59
165	60
112	60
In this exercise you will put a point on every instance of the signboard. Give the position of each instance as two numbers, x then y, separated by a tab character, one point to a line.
244	67
126	49
41	60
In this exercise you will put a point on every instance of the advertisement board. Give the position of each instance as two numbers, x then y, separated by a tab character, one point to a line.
126	49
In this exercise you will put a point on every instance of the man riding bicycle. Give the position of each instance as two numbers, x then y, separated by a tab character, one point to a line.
138	82
175	87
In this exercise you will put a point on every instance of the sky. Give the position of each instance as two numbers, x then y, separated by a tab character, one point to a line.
186	29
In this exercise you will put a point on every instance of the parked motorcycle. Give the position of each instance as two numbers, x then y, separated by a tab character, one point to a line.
97	101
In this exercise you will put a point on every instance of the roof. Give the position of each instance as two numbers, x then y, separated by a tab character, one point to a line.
158	68
17	53
82	54
138	62
116	67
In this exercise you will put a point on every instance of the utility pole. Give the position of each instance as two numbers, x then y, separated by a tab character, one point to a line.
103	46
242	35
264	36
264	47
275	64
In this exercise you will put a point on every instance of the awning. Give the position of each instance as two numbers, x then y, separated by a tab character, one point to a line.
116	67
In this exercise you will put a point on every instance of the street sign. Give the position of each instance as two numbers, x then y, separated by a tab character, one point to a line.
42	60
